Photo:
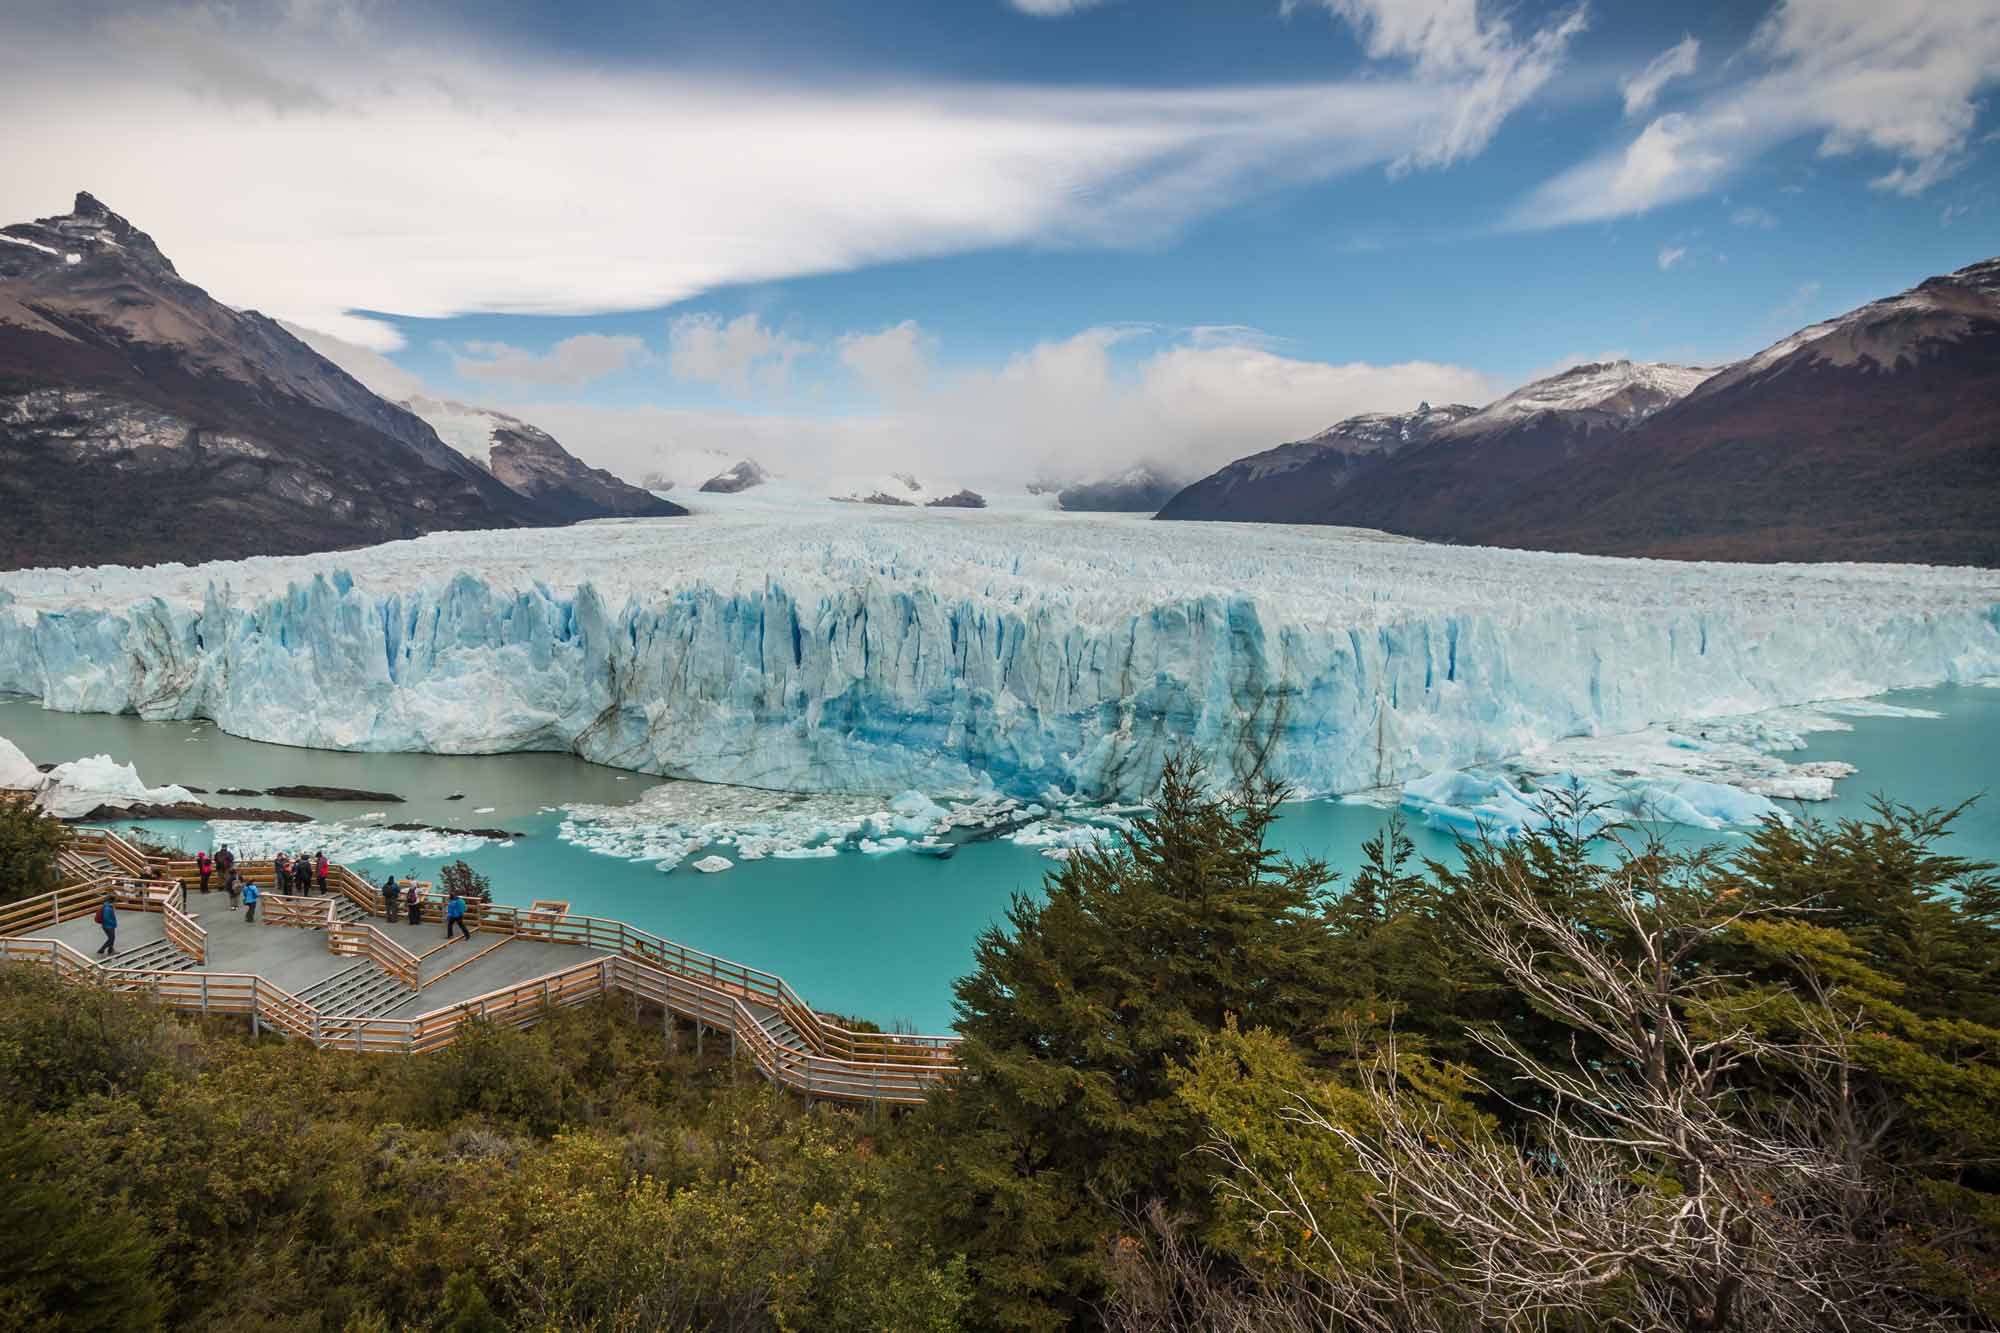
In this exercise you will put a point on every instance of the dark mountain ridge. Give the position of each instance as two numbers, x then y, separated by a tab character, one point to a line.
143	421
1872	436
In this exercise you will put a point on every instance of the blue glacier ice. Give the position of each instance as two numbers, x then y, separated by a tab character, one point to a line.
1041	656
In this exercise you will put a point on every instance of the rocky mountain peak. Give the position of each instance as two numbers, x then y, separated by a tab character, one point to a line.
88	231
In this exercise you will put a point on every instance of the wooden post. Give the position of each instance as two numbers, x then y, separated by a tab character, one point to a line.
254	1029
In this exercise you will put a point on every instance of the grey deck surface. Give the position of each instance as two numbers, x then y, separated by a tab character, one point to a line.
515	961
87	937
295	958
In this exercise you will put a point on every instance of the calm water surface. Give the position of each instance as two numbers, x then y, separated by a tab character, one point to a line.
879	936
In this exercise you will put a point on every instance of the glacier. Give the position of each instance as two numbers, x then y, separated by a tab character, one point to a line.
1037	655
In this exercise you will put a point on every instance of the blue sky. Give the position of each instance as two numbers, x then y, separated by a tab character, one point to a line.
1066	235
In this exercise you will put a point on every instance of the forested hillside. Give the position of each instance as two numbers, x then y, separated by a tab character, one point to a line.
1561	1084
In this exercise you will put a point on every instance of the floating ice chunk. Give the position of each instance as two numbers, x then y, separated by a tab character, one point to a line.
484	810
17	771
711	865
1698	804
1469	804
915	813
255	840
74	789
875	847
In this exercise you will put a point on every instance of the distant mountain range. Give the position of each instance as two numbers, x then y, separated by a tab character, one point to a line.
143	421
1873	436
1137	490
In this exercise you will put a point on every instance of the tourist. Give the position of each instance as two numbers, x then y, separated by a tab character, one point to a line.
319	872
389	899
416	906
205	867
225	861
250	896
230	880
454	918
281	872
107	917
302	873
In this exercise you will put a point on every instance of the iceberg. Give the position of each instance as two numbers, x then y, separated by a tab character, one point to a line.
74	789
17	771
1020	654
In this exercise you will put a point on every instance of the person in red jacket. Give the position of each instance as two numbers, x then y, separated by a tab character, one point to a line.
319	869
205	866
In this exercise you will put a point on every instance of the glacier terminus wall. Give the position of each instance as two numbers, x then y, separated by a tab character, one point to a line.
1019	652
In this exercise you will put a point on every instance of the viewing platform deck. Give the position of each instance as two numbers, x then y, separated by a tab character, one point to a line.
334	970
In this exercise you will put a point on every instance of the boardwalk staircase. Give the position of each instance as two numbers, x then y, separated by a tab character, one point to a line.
157	956
376	1001
362	991
346	909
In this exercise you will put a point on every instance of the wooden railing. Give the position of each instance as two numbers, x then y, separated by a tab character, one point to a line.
183	931
280	909
713	992
361	940
103	842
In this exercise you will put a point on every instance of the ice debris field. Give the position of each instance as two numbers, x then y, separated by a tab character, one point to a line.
1036	658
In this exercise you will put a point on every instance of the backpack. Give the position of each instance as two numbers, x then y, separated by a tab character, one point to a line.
99	918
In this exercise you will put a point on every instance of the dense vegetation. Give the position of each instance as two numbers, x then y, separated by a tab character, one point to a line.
29	842
1559	1084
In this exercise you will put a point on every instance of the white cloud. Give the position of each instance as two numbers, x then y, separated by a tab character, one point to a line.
369	166
1752	216
573	361
702	349
1483	70
1671	256
1895	80
1952	213
1641	90
893	363
375	371
1066	407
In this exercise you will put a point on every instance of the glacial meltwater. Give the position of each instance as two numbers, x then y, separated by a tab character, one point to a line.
881	936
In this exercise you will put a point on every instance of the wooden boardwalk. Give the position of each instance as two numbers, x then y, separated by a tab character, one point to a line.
332	970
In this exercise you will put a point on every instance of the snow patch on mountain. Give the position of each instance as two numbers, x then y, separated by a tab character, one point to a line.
1625	392
467	429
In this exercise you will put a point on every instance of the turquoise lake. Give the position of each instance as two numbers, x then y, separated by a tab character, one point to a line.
883	936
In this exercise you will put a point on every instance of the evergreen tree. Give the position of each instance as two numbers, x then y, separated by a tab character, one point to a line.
1081	1008
66	1261
29	841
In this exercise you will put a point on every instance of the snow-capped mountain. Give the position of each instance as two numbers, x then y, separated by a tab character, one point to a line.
1297	482
692	468
1613	395
746	474
1385	432
1870	436
141	420
1865	437
532	463
1439	472
1137	490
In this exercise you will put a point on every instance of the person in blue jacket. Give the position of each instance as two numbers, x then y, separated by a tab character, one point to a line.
454	918
107	917
250	896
